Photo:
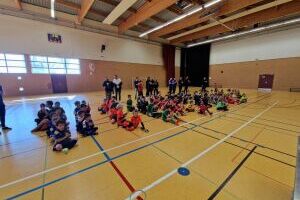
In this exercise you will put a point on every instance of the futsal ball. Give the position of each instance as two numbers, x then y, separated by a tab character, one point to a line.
65	150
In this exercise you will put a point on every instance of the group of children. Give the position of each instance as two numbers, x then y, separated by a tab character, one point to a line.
52	118
172	106
116	115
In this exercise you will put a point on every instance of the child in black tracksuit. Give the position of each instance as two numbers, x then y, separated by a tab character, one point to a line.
85	125
142	105
88	127
42	114
62	137
155	87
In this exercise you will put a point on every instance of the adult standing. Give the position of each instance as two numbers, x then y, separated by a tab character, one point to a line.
117	86
108	87
155	87
148	86
2	111
174	86
170	84
180	84
135	83
187	83
140	88
204	84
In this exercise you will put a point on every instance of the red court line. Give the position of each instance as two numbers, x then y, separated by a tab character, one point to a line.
124	179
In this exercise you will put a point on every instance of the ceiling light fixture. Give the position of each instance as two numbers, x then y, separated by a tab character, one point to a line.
52	9
193	11
256	30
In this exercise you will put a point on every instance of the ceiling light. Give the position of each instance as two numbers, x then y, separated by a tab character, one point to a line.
193	11
263	28
52	9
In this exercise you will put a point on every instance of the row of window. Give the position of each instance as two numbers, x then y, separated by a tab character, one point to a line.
14	63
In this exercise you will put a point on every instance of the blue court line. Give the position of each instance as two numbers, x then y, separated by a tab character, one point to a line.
101	148
106	161
93	166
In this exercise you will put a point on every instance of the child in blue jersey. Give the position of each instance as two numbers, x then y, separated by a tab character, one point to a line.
62	137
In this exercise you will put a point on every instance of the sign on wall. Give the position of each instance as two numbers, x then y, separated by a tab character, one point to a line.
53	37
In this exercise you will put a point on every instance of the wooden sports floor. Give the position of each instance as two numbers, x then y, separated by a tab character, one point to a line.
256	161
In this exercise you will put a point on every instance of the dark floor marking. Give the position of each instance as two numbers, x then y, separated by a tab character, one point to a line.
219	189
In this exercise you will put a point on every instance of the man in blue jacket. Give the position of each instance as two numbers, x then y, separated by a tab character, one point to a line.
2	111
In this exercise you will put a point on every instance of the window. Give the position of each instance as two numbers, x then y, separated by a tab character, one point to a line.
12	63
53	65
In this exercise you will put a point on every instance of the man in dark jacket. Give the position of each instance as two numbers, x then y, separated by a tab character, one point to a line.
180	84
187	83
108	87
2	111
135	84
148	86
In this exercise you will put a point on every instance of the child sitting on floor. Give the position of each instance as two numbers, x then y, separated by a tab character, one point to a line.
203	109
57	106
77	109
130	107
42	120
190	108
134	122
169	116
79	122
221	105
243	98
62	138
120	115
42	114
113	114
142	104
50	108
58	115
85	107
88	126
103	109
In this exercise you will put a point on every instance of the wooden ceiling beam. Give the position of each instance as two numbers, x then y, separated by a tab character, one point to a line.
85	7
229	6
269	14
132	10
77	7
146	11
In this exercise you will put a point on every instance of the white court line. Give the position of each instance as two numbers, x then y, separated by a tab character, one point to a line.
95	154
168	175
100	152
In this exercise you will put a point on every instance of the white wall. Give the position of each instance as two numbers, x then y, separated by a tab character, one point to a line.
283	44
25	36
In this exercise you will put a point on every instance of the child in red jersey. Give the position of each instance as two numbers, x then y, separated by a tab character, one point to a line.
230	100
113	115
203	109
134	122
120	115
103	109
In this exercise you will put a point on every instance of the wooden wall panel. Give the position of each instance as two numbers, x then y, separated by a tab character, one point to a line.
37	84
245	74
